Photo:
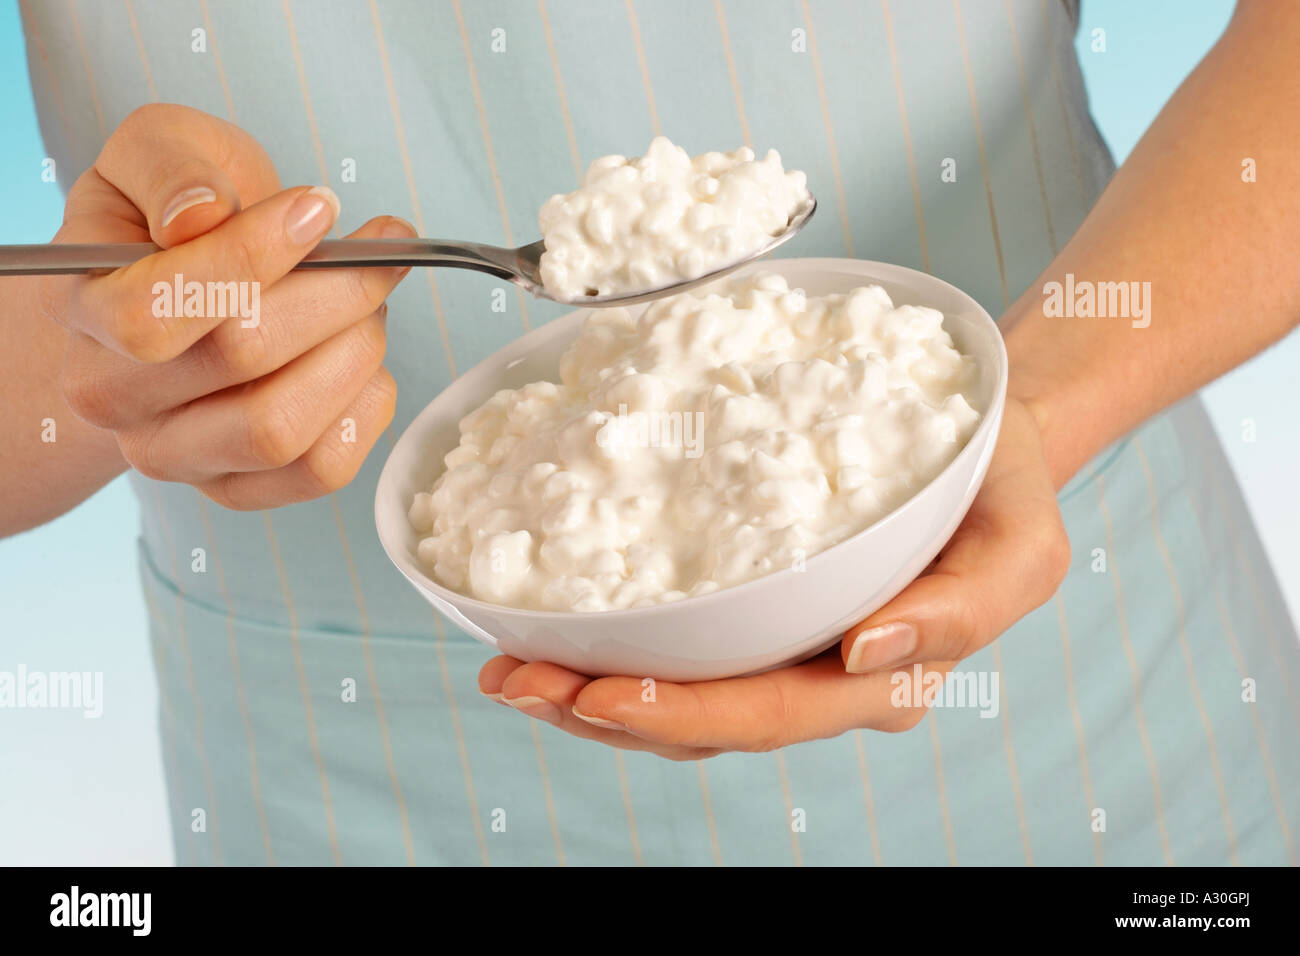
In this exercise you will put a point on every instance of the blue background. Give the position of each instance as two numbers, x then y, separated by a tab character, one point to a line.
84	791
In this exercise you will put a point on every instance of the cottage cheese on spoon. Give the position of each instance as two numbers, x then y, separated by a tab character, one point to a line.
641	224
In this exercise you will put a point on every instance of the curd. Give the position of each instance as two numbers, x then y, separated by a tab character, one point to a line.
640	224
724	434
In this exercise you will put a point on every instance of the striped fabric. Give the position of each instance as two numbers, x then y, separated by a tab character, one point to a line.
1122	736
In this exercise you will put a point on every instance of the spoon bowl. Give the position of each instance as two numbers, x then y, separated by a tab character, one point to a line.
530	278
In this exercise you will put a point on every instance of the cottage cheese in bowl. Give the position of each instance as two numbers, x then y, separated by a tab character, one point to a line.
648	222
722	435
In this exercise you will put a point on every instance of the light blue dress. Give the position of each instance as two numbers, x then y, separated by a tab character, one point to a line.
1123	736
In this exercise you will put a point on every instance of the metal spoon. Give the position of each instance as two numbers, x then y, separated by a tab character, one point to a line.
520	266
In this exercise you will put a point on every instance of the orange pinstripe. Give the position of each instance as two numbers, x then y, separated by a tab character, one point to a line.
373	679
490	152
644	67
139	45
907	134
1136	674
90	75
1033	128
30	24
866	797
190	680
232	646
830	130
216	60
937	747
1004	714
169	722
714	845
400	133
731	72
565	114
1187	651
788	794
621	763
979	142
462	749
304	689
1076	718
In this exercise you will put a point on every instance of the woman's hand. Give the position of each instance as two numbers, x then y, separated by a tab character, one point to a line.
1007	558
257	408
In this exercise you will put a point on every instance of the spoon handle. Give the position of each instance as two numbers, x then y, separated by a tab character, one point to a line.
71	258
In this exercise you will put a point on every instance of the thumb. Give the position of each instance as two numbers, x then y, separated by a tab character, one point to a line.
1008	557
195	198
184	170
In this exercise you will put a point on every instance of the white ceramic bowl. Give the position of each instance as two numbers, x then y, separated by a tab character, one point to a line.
780	618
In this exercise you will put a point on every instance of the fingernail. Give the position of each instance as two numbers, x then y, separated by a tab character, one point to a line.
397	229
881	646
535	707
599	721
186	199
499	698
311	215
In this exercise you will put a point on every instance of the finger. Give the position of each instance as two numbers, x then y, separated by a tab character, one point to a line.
156	308
266	424
544	691
330	464
298	313
184	169
809	701
548	692
493	674
1007	558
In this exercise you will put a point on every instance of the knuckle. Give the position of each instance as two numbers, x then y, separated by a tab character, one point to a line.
241	354
74	204
687	754
1053	555
330	465
140	120
964	624
88	399
1060	557
141	335
143	123
676	756
225	491
370	341
166	175
244	253
148	116
384	387
905	719
273	435
778	713
216	492
139	446
51	298
765	743
361	292
968	629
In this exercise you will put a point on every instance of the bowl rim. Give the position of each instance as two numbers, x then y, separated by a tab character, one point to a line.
975	445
